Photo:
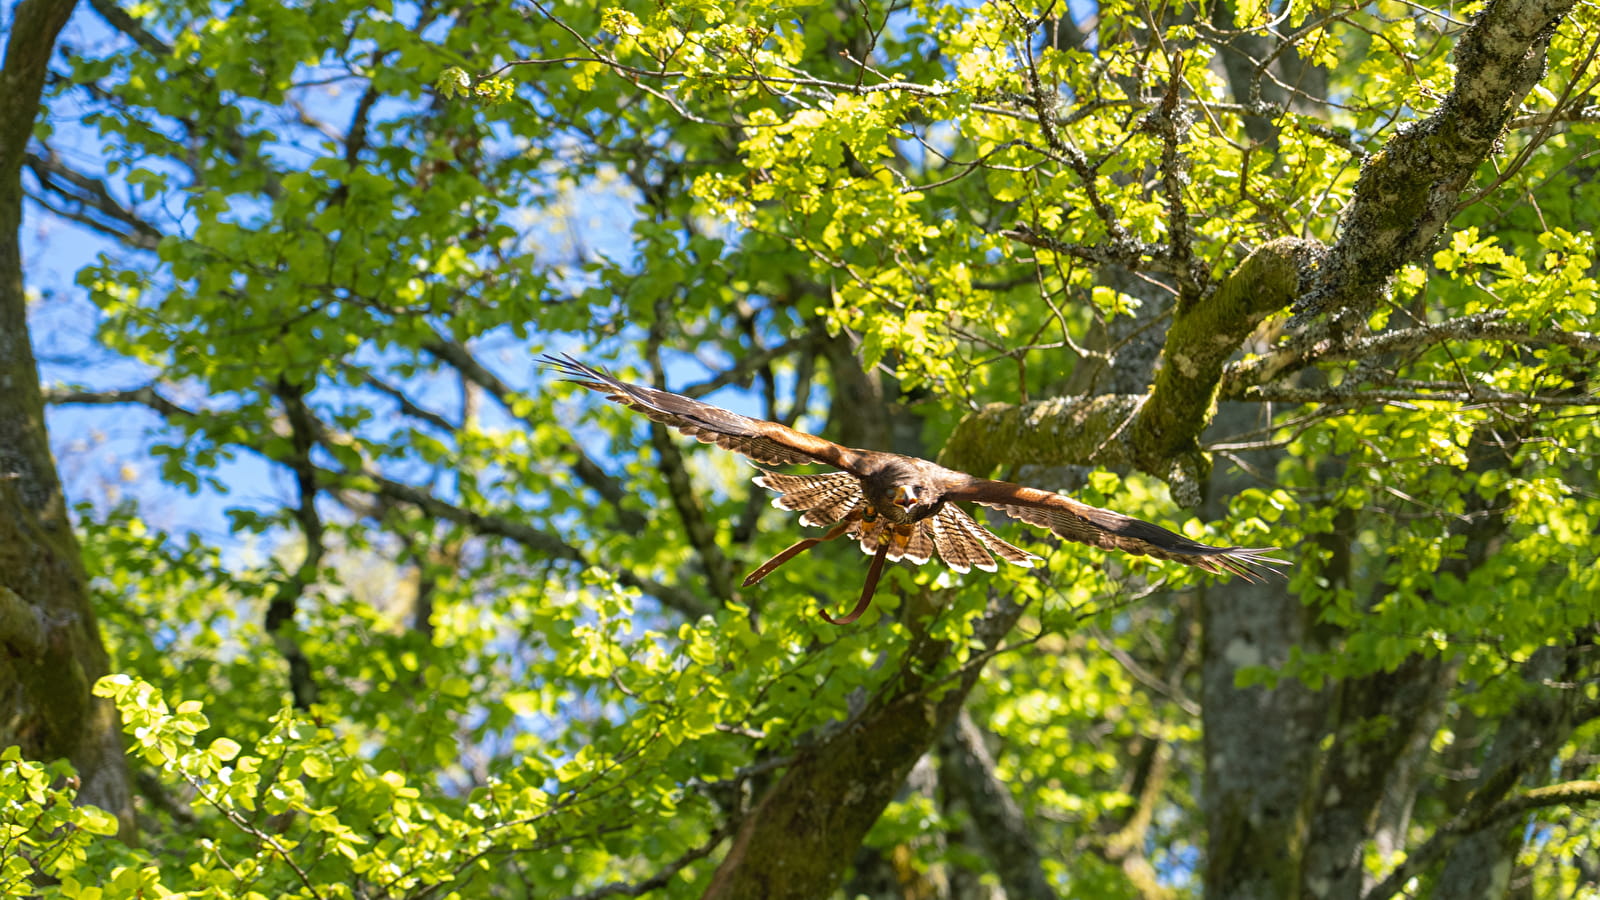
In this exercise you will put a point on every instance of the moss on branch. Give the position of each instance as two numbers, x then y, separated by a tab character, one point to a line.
1060	431
1158	433
1202	337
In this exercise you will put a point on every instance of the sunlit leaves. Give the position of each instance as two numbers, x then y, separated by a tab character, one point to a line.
670	190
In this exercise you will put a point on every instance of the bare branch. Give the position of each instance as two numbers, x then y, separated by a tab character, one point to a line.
88	202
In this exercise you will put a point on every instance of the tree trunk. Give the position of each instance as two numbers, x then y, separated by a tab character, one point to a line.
50	650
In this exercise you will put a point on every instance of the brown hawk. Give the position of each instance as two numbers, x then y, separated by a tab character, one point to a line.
902	507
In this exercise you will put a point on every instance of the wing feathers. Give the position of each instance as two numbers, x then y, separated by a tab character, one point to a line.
763	441
825	498
1109	530
920	548
960	545
1011	554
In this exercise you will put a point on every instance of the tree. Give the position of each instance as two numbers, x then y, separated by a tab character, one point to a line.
1346	251
53	653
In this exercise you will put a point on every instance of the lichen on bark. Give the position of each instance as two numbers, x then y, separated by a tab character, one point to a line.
1056	432
1202	337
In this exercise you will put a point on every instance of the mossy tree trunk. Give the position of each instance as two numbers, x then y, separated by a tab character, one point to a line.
50	649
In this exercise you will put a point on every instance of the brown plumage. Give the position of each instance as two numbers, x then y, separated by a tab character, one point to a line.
901	507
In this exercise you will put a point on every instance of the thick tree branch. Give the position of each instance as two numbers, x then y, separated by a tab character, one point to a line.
1057	432
1158	434
1408	191
1165	434
1403	200
34	26
360	119
792	844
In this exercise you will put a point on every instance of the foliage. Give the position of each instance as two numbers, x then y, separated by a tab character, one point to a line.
470	633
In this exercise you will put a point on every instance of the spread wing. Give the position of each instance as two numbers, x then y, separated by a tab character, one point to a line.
1109	530
762	441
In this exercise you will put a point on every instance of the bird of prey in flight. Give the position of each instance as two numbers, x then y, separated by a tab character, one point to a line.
902	507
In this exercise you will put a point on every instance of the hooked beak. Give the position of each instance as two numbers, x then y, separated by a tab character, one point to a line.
905	496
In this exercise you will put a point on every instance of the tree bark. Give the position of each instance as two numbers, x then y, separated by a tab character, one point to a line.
50	649
792	846
1260	743
1408	192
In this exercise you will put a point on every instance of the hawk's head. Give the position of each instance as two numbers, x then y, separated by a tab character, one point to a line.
916	501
